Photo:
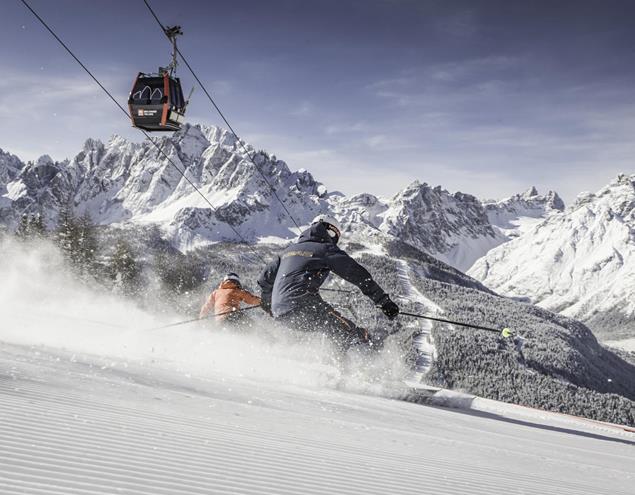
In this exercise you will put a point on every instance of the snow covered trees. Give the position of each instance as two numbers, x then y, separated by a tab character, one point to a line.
124	269
30	227
77	239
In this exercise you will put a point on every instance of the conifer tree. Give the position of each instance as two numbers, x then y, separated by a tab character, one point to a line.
124	269
30	227
22	232
77	238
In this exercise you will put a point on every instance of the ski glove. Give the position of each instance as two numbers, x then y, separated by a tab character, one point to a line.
265	305
390	309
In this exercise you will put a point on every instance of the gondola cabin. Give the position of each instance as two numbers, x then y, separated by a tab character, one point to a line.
156	102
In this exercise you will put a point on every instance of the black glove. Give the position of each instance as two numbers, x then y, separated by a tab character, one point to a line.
390	309
363	335
266	306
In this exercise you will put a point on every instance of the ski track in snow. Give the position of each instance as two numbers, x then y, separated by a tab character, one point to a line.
424	343
76	428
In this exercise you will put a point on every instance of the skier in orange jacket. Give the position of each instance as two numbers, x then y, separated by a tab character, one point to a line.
225	301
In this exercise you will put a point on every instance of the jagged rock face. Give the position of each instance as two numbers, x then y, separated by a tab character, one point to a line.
123	181
452	227
433	219
42	187
580	262
518	213
10	166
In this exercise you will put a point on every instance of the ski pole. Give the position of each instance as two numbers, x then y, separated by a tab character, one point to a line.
343	291
204	318
505	332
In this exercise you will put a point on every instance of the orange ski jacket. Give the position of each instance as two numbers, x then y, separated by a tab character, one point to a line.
227	298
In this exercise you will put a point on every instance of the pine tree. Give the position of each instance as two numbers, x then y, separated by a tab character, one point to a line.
38	229
22	232
87	242
66	232
77	238
31	227
124	269
178	273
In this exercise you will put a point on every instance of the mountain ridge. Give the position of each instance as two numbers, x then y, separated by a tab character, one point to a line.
579	262
122	181
130	189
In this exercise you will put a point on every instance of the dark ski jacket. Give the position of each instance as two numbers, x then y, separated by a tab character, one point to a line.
294	278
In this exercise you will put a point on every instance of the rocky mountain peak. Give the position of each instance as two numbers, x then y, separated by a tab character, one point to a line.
123	181
530	193
624	180
578	261
10	166
554	201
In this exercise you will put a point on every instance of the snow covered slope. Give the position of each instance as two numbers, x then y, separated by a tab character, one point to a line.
517	214
93	401
76	424
580	262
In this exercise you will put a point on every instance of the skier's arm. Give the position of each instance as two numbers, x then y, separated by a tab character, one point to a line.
208	306
248	298
351	271
266	281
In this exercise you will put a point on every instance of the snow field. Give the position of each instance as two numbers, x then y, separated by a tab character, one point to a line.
93	402
75	427
44	306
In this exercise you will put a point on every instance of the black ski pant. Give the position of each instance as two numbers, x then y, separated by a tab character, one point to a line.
318	316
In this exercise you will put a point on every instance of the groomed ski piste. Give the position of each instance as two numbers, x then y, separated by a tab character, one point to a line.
94	402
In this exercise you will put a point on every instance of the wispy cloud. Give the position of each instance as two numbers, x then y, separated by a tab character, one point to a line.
304	109
347	128
54	114
461	24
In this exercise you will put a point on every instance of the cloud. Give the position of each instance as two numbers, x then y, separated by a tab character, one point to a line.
54	114
71	96
454	82
304	109
335	128
350	173
218	87
461	24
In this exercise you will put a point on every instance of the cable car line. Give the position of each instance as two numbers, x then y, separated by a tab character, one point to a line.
209	97
145	133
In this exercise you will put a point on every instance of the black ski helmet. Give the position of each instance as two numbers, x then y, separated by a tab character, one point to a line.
332	226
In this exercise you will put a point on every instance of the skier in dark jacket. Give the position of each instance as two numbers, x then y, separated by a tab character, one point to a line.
290	285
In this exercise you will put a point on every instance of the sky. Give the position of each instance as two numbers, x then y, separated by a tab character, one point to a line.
484	97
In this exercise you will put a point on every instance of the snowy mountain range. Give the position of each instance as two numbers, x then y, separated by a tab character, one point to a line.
132	189
579	262
121	182
576	261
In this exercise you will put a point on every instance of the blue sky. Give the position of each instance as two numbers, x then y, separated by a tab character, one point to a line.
485	97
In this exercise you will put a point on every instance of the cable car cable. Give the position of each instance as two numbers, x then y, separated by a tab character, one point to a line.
258	255
209	97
